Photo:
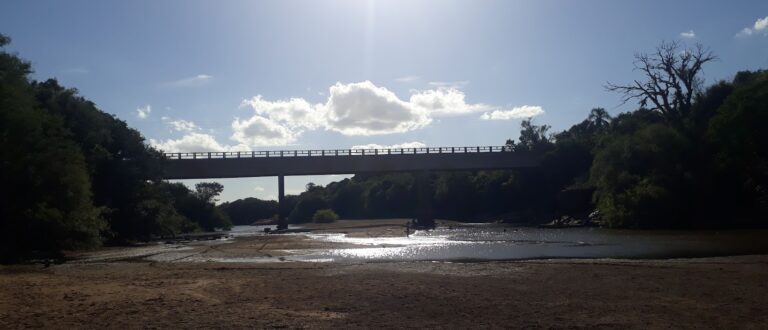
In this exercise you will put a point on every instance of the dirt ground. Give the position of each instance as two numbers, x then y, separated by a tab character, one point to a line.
725	293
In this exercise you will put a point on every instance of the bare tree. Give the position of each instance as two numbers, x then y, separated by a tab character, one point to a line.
672	79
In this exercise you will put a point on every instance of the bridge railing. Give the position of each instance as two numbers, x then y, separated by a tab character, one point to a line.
334	152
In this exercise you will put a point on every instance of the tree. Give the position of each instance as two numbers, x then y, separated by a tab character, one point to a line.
642	180
671	80
532	138
598	119
740	143
208	191
45	201
247	211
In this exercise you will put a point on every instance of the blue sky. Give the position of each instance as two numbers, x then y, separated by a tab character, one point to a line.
243	75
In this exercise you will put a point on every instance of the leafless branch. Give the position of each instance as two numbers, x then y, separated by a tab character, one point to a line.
671	79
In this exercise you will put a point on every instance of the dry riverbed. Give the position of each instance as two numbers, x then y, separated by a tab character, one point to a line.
124	288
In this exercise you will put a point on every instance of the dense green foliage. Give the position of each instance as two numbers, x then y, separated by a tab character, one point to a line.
325	216
76	176
44	207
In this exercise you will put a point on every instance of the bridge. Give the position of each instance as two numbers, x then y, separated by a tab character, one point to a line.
206	165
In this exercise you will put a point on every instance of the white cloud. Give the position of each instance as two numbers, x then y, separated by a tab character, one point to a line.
407	79
260	131
365	109
744	33
197	80
195	142
182	125
258	189
143	112
295	113
445	101
359	109
688	35
452	84
405	145
760	26
525	111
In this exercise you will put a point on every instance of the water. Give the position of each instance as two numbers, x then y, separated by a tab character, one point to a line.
497	242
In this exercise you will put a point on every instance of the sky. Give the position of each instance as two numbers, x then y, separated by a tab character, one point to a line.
284	75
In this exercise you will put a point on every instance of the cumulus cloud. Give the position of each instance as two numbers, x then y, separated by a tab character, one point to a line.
143	112
688	35
355	109
182	125
365	109
295	113
359	109
260	131
195	142
759	27
525	111
405	145
445	101
197	80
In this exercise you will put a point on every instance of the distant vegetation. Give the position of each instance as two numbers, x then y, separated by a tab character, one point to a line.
76	177
249	210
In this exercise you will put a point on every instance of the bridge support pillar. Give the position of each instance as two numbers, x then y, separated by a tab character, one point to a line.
282	217
424	216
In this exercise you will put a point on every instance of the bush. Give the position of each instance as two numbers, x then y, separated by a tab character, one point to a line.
306	208
325	216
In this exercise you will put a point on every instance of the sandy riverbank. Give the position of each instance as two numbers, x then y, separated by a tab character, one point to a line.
131	292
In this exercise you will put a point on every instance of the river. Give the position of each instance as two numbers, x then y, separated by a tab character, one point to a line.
479	242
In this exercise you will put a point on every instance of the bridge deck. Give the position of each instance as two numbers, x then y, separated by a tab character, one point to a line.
201	165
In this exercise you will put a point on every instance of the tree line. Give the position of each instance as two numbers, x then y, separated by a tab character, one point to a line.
75	177
689	157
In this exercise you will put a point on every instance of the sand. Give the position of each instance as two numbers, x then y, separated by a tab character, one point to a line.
131	292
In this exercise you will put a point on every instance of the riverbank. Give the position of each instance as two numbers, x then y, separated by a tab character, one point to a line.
125	288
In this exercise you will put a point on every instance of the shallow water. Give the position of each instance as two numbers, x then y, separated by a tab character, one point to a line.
498	242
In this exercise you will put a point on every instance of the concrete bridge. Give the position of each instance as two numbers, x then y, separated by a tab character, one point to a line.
206	165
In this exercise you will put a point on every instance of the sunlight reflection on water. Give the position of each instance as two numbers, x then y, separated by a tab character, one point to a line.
499	242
